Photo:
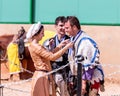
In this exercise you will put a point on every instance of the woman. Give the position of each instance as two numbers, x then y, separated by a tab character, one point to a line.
41	58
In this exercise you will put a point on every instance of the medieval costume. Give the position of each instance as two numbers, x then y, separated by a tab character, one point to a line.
92	70
41	58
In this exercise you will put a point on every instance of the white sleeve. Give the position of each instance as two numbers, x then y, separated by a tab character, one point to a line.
87	50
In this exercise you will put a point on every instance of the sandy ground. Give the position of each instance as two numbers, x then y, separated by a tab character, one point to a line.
111	89
22	88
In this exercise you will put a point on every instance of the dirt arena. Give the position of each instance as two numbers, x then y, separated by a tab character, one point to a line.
108	41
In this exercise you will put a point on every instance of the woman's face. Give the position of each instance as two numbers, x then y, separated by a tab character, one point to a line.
40	35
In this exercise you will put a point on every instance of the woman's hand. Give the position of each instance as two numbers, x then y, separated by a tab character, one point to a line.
69	45
63	43
51	42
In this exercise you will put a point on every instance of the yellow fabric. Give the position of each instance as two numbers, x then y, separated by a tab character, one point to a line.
48	34
13	60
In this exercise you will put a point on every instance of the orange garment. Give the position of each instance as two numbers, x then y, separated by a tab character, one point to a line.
40	85
41	58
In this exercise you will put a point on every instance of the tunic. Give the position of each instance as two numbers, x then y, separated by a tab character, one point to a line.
41	58
87	47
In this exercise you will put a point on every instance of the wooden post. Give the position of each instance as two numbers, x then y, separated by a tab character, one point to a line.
80	58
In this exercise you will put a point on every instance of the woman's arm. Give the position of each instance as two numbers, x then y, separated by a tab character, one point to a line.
50	55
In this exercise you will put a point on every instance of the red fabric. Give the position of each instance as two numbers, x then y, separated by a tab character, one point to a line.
96	85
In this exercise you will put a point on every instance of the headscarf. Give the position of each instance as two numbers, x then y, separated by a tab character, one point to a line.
32	31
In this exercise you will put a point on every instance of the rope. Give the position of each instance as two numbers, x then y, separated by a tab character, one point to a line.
20	82
51	72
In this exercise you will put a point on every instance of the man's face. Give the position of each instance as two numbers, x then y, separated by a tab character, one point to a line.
60	28
68	29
